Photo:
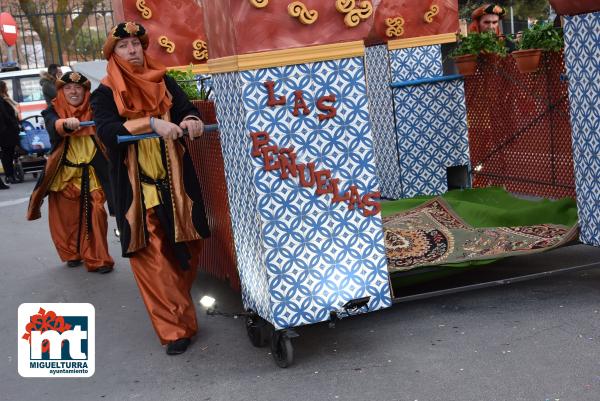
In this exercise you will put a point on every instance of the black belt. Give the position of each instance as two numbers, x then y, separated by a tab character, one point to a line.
166	218
85	201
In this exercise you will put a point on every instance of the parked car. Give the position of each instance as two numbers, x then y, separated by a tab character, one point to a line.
24	87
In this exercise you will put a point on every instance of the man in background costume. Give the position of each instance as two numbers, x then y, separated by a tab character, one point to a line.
159	207
75	179
487	19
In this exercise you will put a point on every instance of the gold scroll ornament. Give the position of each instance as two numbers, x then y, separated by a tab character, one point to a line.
354	14
200	50
395	27
163	41
299	10
259	3
144	10
432	12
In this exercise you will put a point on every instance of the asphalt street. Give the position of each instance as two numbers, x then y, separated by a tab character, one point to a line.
535	340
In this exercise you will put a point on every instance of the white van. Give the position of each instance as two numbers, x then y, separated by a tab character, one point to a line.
24	87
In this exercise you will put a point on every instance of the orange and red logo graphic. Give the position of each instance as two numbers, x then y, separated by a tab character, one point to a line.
44	321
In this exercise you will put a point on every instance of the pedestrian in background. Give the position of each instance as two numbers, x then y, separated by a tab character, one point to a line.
48	82
9	134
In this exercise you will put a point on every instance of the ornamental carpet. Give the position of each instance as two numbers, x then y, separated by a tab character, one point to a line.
475	226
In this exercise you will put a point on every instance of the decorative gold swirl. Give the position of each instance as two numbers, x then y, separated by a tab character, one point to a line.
395	27
200	50
432	12
354	14
259	3
299	10
345	6
143	9
163	41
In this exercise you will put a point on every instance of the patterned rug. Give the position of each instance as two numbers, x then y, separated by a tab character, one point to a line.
433	234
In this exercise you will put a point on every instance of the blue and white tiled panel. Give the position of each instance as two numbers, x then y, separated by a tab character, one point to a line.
319	255
431	126
381	110
242	194
582	59
416	63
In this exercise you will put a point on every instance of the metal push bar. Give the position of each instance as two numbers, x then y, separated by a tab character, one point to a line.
133	138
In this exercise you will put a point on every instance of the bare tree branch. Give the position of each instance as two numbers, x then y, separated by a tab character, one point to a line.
62	28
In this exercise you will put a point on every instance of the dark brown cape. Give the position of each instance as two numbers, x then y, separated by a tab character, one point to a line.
186	213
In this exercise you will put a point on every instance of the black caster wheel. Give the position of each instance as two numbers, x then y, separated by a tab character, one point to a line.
35	175
258	330
282	349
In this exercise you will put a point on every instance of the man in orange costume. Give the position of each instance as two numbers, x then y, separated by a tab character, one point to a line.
159	207
487	19
75	179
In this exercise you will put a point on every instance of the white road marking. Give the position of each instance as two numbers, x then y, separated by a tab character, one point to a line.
14	202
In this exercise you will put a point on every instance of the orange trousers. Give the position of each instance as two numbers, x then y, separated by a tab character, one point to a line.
63	217
164	286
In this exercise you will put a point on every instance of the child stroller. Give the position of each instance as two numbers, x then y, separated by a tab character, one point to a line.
35	145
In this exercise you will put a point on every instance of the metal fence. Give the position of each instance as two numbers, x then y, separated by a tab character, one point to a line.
60	35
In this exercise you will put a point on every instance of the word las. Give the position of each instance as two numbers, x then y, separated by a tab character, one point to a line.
329	111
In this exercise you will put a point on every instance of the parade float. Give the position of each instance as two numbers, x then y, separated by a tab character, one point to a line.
342	129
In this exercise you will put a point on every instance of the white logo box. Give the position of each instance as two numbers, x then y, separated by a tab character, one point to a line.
78	361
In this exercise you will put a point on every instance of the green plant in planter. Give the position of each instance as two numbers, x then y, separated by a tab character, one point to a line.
542	35
479	43
187	80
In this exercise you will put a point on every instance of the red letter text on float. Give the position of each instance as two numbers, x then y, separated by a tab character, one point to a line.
287	161
336	192
331	110
259	139
367	200
284	160
272	101
354	198
311	174
267	154
322	178
299	103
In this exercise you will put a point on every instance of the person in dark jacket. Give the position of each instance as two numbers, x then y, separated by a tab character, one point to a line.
9	134
158	203
48	82
75	179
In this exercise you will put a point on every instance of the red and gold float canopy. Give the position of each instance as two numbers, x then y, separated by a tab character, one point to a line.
189	31
251	26
573	7
175	28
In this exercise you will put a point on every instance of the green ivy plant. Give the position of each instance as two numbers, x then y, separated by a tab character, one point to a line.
479	43
542	35
187	80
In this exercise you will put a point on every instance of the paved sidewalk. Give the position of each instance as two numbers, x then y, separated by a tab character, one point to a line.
530	341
